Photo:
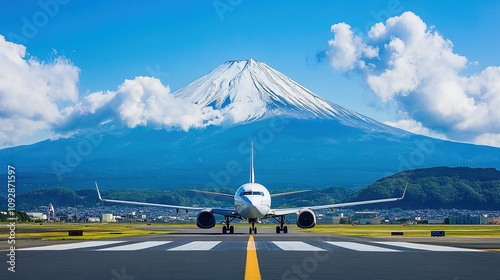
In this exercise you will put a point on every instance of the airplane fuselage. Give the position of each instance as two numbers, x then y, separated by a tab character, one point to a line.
252	201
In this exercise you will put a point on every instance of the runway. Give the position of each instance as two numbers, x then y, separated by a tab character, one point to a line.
285	256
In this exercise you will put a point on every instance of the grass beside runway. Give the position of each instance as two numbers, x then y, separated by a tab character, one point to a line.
408	230
91	231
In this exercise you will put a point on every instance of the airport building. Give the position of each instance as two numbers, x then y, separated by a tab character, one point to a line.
341	219
92	220
365	218
494	220
37	216
108	218
469	220
50	213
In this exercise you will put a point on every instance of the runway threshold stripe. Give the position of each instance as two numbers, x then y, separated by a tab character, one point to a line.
360	247
136	246
296	246
78	245
426	247
196	246
252	270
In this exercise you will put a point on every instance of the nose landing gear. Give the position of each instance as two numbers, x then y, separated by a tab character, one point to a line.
252	229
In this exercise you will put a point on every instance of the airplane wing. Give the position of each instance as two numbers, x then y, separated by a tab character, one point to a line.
230	212
149	204
287	211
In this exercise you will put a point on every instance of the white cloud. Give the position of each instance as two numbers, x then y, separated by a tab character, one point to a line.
346	49
31	92
241	111
40	100
416	68
489	139
416	127
143	101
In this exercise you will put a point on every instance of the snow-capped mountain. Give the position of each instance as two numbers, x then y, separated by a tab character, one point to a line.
300	140
246	90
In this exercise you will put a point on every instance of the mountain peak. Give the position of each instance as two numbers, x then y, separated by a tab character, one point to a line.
245	61
246	90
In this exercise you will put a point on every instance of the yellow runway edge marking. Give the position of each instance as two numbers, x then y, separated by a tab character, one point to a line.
252	271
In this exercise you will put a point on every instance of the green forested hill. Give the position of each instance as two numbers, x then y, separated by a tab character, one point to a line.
439	187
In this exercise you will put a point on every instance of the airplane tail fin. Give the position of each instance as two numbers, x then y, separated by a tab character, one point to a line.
252	174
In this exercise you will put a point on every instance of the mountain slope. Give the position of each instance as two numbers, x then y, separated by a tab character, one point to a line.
288	153
245	90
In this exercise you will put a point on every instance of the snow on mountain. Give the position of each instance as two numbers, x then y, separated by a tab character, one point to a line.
246	90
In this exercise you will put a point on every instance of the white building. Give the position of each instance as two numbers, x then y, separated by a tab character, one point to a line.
50	213
36	216
108	218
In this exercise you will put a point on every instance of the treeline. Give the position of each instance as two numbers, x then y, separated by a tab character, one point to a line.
19	216
440	187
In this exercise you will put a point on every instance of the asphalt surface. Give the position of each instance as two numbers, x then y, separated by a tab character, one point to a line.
198	254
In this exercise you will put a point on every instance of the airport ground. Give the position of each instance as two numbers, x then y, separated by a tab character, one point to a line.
140	251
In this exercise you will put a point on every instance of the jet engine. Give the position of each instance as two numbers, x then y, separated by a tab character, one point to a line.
205	219
306	218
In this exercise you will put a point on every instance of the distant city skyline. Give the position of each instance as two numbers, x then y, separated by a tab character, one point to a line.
433	71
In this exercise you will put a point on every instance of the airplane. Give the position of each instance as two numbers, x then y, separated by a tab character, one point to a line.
252	202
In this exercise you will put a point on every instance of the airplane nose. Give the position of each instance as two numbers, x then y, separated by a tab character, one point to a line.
257	209
254	209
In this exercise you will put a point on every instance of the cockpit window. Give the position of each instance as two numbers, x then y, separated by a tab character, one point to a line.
252	193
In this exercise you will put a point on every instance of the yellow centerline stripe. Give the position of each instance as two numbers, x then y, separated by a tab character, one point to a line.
252	271
492	250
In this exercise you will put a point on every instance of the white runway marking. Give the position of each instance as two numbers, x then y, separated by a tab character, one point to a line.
110	246
296	246
426	247
360	247
79	245
196	246
136	246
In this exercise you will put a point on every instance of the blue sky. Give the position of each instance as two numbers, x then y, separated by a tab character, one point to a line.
179	41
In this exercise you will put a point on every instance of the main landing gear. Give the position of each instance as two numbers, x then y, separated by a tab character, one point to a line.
281	227
227	228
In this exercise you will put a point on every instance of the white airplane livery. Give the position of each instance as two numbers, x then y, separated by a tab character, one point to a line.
252	202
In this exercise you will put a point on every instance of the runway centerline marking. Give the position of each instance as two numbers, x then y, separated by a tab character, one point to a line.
427	247
196	246
136	246
296	246
70	246
360	247
252	270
